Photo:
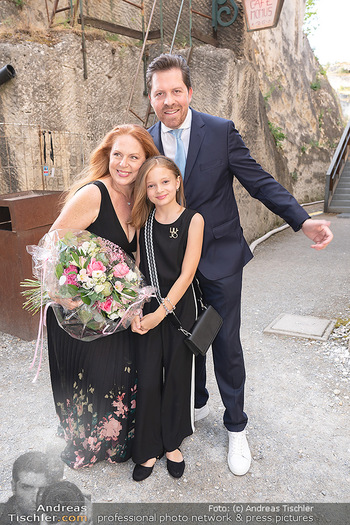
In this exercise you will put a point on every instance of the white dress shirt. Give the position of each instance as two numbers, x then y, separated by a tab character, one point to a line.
169	141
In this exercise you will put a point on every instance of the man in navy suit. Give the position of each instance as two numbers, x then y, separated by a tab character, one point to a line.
213	153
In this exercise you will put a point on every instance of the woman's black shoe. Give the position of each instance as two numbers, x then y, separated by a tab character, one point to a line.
140	472
175	469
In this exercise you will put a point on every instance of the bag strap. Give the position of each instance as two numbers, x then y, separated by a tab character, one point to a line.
152	268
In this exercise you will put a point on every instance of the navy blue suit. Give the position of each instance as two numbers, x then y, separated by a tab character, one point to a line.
215	156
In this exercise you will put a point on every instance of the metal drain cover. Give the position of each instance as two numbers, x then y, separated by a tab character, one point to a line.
301	326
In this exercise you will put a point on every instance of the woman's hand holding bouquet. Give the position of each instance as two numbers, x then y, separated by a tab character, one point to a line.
93	286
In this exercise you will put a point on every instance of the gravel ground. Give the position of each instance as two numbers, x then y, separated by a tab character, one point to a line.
297	395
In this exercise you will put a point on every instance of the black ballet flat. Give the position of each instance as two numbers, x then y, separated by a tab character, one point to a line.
140	472
175	468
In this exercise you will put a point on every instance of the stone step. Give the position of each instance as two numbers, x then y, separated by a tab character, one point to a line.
341	191
343	188
340	203
339	209
341	197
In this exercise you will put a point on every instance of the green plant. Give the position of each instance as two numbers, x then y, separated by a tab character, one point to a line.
113	37
342	322
19	3
303	149
316	84
310	17
315	144
269	93
277	134
320	119
294	175
331	144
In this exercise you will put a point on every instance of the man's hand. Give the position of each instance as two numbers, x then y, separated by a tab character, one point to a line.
319	232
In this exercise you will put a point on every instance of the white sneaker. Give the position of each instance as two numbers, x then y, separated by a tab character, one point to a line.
201	413
239	457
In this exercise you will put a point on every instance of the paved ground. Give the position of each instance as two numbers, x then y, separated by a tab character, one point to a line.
297	395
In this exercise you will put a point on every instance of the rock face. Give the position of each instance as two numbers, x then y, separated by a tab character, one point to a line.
267	82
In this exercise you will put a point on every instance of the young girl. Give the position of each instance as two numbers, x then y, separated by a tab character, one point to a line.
164	363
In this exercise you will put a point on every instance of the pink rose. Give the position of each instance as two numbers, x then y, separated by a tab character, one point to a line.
72	279
71	268
106	305
95	265
120	270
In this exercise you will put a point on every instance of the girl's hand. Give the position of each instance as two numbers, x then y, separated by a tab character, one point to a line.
136	326
152	320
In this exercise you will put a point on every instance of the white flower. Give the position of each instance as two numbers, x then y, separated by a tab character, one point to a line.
98	275
85	247
99	288
88	284
113	316
62	280
130	276
82	276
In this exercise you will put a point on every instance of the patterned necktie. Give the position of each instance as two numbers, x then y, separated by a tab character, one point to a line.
180	155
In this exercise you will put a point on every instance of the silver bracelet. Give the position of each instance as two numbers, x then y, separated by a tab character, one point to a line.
165	307
171	304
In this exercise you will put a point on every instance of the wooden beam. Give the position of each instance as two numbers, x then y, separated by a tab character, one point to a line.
204	38
120	30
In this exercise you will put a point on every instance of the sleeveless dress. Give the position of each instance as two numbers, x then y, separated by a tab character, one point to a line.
94	383
164	362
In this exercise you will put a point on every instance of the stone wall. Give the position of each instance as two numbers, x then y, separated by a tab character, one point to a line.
252	78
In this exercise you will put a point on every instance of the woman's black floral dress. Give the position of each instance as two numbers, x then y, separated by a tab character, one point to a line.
94	383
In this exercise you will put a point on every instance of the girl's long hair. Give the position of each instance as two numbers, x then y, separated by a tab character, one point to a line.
99	159
143	206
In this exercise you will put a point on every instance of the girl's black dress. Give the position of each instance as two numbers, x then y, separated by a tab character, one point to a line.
94	383
164	363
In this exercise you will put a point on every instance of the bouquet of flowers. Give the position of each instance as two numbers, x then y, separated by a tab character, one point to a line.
93	286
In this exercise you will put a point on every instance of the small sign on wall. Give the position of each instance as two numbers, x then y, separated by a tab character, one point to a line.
262	14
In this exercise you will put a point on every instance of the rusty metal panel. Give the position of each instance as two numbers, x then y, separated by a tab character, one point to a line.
30	216
30	209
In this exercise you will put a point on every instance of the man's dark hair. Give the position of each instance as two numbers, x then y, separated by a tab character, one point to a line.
30	462
165	62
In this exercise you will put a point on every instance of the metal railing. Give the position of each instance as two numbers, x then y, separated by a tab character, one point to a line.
336	166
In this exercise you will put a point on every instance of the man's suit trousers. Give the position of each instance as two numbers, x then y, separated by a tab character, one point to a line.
225	296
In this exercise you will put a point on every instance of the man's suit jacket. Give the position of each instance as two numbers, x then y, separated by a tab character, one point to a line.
216	154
